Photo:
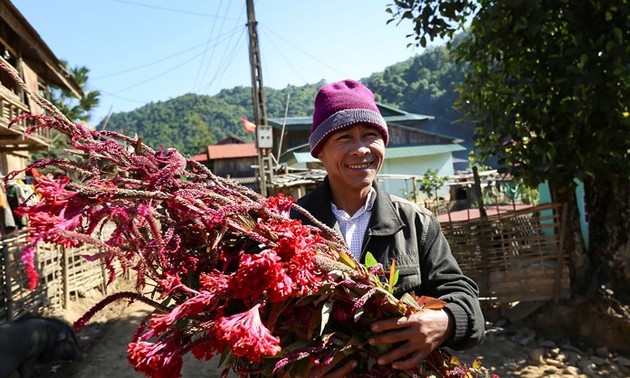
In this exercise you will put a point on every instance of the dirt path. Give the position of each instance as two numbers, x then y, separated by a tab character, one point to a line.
107	357
510	350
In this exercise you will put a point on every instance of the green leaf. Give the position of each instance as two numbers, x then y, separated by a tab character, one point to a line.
370	261
393	276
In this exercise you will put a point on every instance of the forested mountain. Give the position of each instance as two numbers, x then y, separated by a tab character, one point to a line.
423	84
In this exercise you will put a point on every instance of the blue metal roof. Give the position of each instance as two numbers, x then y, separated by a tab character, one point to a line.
396	152
390	114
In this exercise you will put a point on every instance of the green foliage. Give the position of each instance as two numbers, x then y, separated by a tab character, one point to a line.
432	19
551	105
191	122
426	84
393	274
431	182
75	109
548	81
548	86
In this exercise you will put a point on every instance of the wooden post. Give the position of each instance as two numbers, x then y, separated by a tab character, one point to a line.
482	210
563	230
414	185
66	284
258	96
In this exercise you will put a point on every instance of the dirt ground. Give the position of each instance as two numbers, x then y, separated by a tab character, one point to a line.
509	350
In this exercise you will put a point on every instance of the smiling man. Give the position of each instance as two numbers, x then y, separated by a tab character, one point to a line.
349	136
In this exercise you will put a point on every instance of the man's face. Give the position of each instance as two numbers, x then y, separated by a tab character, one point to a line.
353	156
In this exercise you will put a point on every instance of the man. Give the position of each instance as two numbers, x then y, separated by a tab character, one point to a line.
349	137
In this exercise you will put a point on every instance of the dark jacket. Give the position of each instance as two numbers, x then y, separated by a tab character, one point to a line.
402	231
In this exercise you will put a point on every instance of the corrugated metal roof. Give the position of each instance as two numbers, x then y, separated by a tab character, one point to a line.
304	157
389	113
200	157
425	150
396	152
227	151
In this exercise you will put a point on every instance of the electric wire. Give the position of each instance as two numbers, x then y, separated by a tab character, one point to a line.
225	63
170	69
203	60
144	65
302	51
165	9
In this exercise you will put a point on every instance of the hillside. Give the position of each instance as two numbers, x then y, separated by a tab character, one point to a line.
424	84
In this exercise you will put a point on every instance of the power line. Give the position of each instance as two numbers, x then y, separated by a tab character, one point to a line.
212	52
286	60
161	73
302	51
225	62
148	64
165	9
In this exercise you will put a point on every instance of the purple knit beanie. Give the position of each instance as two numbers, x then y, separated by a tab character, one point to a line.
342	104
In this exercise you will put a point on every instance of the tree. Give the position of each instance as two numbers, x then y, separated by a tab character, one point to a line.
430	183
549	88
75	109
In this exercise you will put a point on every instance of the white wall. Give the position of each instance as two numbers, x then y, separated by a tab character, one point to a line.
417	166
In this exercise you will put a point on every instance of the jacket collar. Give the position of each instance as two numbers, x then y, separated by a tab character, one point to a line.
384	221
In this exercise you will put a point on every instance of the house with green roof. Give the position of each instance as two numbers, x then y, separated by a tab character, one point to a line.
411	150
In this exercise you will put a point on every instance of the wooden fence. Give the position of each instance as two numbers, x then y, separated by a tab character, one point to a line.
512	257
64	275
515	256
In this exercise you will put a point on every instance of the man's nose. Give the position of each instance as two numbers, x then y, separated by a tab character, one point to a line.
362	146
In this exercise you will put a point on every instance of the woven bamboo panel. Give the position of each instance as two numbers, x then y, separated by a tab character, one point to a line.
64	273
514	256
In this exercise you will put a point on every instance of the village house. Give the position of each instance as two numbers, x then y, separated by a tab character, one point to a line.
232	158
23	49
410	153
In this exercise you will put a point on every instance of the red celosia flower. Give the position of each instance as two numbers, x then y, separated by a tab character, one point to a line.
214	282
211	247
259	274
162	323
247	336
280	204
161	359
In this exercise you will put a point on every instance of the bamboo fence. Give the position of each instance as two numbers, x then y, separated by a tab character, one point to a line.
515	256
64	276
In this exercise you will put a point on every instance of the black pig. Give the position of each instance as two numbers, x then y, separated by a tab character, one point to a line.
32	339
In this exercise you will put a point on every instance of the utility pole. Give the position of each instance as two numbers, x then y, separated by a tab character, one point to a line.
263	130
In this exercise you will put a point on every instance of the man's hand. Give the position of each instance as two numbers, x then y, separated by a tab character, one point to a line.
415	337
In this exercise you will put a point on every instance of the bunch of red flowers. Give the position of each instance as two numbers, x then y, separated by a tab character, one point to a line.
230	273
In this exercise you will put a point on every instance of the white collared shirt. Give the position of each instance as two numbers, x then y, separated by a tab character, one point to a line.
353	227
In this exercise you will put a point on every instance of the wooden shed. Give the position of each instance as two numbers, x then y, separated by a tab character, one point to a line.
22	48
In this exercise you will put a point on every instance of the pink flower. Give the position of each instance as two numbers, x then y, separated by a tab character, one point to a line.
247	336
280	204
162	323
259	274
214	282
161	359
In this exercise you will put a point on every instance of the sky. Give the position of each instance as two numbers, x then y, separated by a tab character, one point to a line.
143	51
